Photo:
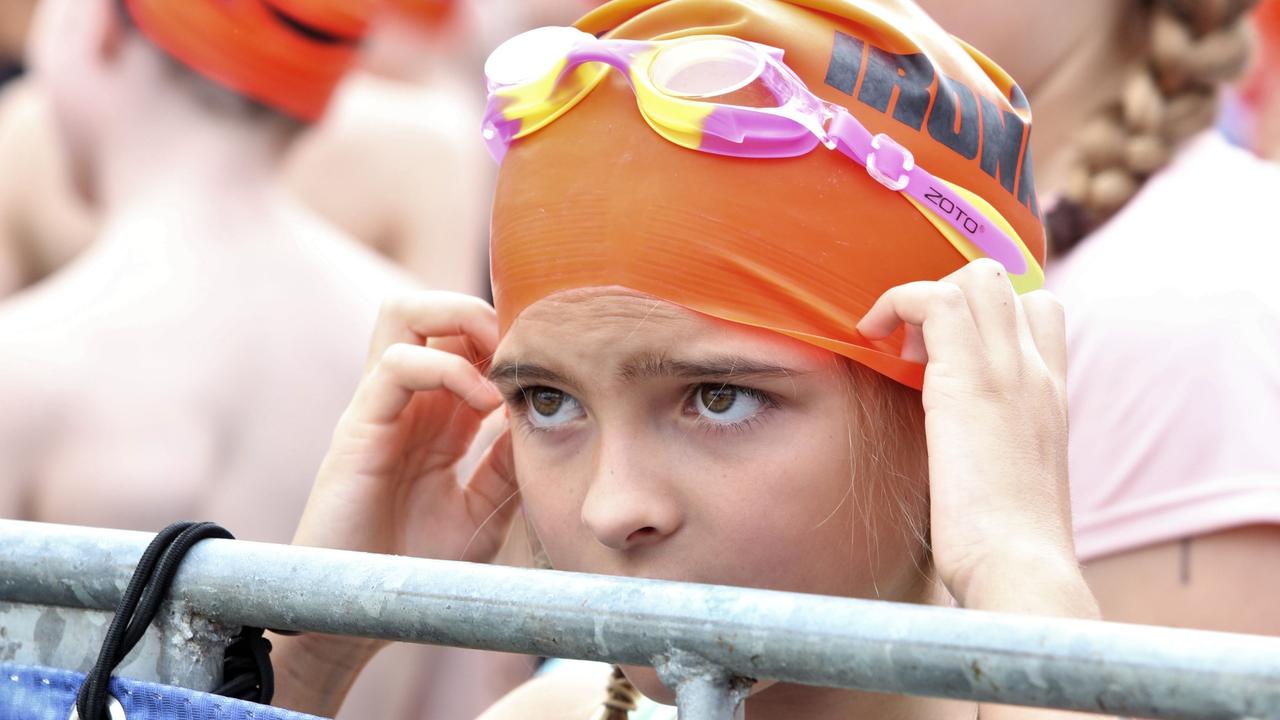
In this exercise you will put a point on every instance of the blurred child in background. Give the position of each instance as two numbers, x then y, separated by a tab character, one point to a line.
1165	255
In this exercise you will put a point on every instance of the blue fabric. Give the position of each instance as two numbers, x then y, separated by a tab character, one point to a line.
37	693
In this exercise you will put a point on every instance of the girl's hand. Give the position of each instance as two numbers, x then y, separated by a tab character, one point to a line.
390	482
996	424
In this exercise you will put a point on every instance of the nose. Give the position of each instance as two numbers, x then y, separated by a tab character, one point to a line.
631	502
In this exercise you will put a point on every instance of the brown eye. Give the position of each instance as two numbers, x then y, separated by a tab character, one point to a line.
728	404
718	399
545	401
550	408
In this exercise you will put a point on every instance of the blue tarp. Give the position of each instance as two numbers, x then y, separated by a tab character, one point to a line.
38	693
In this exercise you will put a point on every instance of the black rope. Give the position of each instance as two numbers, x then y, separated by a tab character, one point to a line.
247	670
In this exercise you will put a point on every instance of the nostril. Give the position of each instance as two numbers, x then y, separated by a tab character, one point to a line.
642	534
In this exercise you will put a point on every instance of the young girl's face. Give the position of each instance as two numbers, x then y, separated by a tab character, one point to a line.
654	442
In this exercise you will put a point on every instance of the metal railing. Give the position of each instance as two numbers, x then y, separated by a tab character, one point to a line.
706	641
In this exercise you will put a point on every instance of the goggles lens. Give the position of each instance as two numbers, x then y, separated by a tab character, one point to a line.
530	55
706	67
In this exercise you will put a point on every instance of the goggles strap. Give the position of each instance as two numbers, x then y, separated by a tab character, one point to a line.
892	165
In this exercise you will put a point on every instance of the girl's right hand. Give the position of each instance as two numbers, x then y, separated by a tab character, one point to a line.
390	483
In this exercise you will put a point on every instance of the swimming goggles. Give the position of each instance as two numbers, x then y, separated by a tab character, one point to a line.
728	96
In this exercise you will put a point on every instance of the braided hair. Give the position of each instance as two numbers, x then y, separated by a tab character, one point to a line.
621	698
1193	47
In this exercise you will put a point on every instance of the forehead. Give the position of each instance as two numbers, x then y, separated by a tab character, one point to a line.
613	327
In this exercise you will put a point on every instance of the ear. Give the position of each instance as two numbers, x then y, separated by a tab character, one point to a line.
109	27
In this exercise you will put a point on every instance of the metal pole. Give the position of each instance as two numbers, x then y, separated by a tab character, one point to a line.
704	691
1128	670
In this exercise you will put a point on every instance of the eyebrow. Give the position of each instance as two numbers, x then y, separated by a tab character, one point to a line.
649	366
727	367
523	373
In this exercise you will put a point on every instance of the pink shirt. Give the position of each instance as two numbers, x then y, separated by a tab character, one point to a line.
1173	327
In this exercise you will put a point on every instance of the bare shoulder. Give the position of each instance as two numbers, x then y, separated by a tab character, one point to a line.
382	130
29	384
574	694
345	266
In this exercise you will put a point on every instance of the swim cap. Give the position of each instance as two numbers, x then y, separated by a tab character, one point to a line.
801	246
286	54
1266	21
427	13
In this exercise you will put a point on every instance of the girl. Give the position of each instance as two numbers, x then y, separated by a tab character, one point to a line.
699	381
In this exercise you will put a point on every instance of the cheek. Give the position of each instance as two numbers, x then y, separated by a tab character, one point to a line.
551	494
790	514
786	502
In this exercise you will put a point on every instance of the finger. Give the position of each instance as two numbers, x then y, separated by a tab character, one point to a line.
415	317
493	483
1047	323
405	369
487	429
939	309
913	347
992	302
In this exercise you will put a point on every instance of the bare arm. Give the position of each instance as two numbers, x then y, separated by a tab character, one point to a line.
996	425
314	672
1211	582
1036	587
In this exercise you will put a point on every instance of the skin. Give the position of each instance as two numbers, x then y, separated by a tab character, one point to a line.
404	123
44	224
15	17
194	360
1210	581
621	468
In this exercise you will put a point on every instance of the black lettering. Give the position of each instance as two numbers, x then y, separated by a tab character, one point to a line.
933	195
912	75
1018	99
956	130
1001	142
1026	183
968	222
946	206
846	62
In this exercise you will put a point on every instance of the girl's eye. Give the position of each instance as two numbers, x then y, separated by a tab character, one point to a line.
727	404
549	408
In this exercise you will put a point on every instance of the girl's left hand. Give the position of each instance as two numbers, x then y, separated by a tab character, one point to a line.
996	423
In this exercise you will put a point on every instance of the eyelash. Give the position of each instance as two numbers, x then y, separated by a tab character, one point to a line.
518	405
767	402
518	402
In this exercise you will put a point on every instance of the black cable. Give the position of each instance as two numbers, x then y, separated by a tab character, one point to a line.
247	669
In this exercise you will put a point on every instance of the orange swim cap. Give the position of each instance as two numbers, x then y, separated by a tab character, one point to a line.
428	13
286	54
800	246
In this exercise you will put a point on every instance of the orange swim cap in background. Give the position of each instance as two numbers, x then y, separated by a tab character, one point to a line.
801	246
427	13
286	54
